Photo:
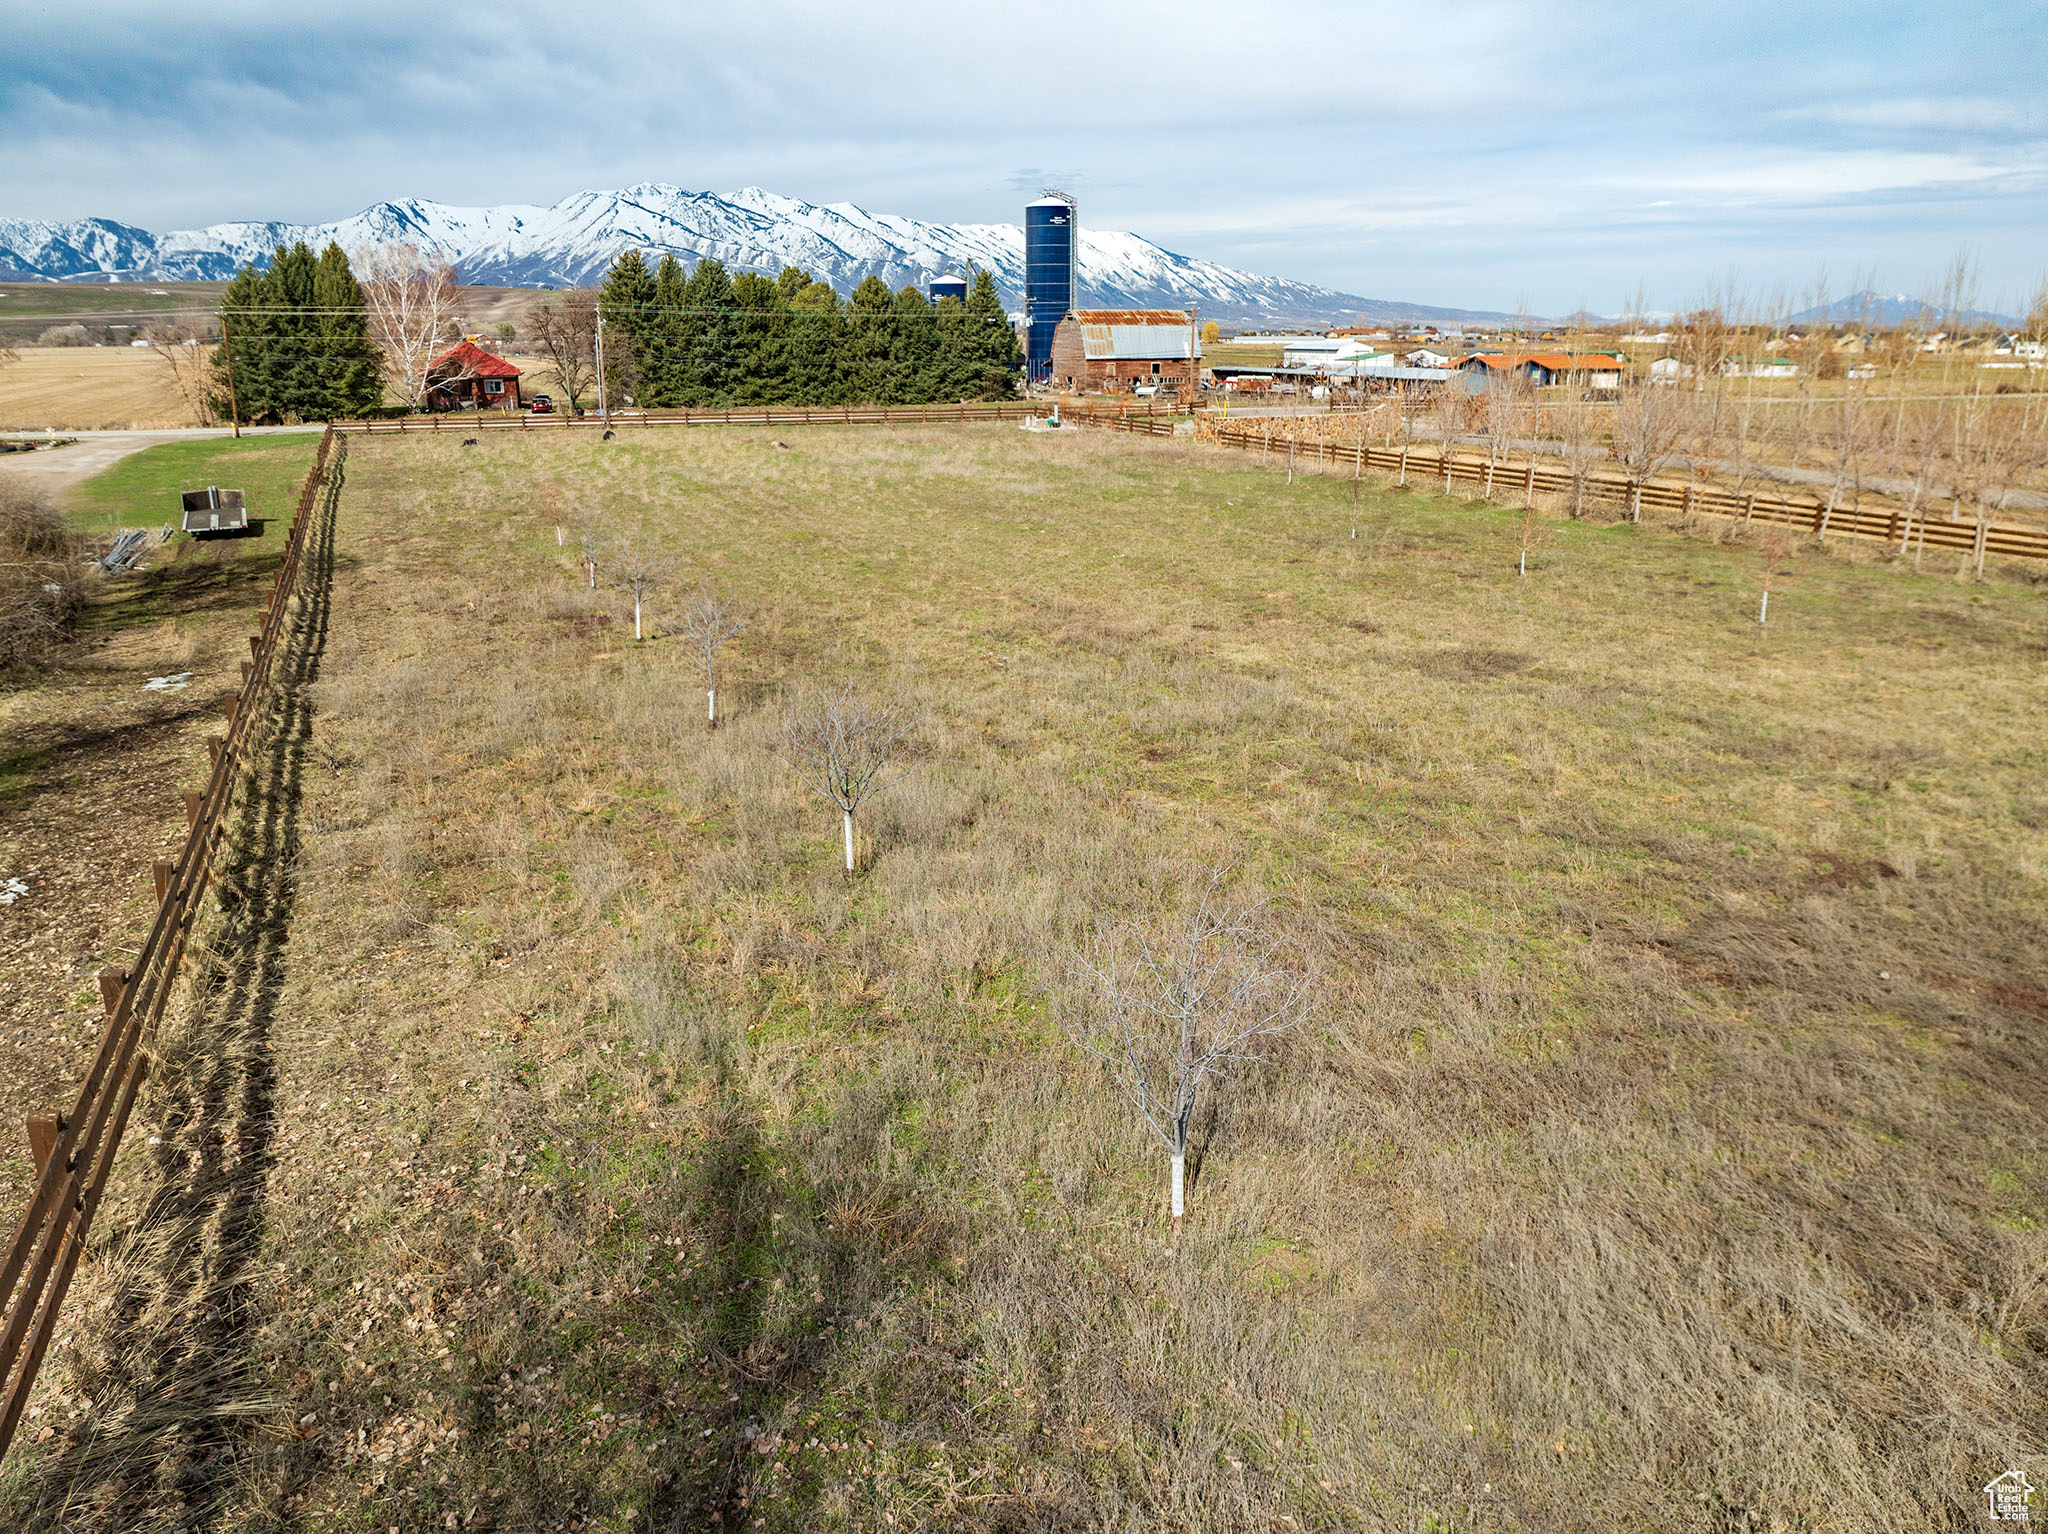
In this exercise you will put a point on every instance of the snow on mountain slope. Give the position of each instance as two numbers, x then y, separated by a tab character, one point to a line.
573	242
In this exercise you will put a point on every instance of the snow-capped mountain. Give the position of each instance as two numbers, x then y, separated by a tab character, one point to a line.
575	240
1888	311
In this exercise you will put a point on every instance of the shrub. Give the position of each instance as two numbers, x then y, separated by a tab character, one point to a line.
40	585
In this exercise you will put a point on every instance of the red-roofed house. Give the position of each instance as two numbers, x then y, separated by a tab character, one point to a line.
467	377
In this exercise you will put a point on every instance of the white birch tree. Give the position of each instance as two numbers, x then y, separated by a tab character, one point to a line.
410	299
1172	1005
845	746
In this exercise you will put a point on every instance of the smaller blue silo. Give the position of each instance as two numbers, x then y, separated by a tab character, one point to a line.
948	287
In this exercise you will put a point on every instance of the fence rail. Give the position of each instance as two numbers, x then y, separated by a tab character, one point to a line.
1528	478
621	420
74	1151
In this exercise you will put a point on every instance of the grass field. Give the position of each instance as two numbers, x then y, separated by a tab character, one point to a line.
571	1145
143	490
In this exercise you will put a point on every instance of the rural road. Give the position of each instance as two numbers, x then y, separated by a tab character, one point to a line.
57	469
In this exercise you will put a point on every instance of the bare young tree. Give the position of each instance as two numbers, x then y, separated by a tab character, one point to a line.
410	299
1777	545
566	333
1650	425
1170	1005
638	568
845	747
1507	412
710	620
190	364
590	542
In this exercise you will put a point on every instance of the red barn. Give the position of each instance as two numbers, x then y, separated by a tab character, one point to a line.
467	377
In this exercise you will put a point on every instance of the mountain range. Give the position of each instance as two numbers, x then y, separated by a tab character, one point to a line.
1888	311
572	243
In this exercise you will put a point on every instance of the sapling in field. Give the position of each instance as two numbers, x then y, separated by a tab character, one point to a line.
845	747
1172	1004
638	569
710	620
588	542
1777	544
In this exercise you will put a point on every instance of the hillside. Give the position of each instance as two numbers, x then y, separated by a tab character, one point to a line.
573	241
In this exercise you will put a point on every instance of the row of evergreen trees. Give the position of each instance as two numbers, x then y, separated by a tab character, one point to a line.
298	339
712	339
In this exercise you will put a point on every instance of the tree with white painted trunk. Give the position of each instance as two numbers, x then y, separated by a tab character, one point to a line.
1172	1004
590	542
639	569
1777	545
709	620
847	746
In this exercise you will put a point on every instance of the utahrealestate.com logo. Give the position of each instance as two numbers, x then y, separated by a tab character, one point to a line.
2011	1497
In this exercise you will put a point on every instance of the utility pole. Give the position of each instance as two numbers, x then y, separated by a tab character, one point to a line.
1194	353
603	414
234	409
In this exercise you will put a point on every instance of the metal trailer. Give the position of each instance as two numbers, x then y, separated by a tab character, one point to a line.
214	510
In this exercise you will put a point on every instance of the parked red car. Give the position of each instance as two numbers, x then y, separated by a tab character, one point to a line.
540	404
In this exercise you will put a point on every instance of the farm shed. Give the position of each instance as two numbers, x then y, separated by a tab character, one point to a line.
1103	351
1592	370
467	377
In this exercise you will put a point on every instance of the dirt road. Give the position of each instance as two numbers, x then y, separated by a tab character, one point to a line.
57	469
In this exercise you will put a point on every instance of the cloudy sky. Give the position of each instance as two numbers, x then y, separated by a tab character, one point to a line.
1457	152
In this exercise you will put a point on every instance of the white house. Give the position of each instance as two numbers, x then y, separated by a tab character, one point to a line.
1670	370
1423	357
1325	352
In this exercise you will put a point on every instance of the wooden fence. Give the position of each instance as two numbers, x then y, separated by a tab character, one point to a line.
1526	479
74	1151
624	420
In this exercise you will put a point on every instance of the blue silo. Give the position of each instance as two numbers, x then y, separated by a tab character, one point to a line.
1052	244
948	287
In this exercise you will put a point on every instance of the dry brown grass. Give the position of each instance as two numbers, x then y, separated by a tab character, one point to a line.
89	388
1667	1152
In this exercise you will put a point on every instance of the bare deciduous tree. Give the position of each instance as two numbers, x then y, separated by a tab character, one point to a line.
710	620
411	300
190	363
638	568
1170	1005
845	747
590	542
1777	545
566	333
1650	425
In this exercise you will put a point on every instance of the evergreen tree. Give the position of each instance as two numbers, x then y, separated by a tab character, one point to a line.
668	337
241	329
815	341
707	298
761	365
625	301
864	358
993	341
348	359
914	376
296	366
